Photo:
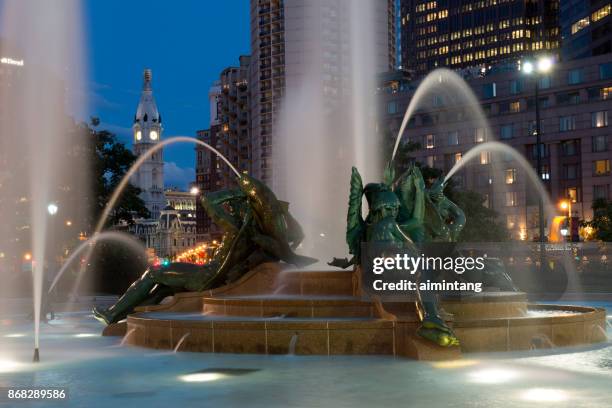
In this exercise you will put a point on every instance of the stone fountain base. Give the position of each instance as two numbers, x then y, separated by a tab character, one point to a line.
323	312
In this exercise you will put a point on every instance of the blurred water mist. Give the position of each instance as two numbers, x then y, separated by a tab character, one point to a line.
43	156
328	117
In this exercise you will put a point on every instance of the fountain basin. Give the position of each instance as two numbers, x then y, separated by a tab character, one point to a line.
562	326
242	318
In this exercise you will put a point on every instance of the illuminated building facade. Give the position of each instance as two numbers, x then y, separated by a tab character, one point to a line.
586	28
174	231
229	133
577	154
147	129
473	33
169	235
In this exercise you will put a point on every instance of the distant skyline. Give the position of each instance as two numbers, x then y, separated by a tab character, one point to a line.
186	44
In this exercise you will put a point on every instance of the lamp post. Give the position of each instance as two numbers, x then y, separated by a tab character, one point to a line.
566	205
542	66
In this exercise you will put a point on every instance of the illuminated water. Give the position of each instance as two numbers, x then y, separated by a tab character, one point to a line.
35	128
455	91
98	373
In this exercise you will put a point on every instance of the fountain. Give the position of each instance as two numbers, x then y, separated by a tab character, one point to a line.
269	308
35	129
336	118
272	306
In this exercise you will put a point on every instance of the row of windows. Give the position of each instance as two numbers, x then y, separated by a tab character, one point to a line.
574	77
600	191
566	123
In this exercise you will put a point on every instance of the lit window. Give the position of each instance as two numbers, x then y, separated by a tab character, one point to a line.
511	221
572	194
510	176
458	157
480	135
511	199
580	24
605	92
485	157
515	106
545	172
429	141
599	119
601	13
601	167
453	138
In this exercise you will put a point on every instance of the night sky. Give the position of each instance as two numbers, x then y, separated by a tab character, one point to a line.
186	43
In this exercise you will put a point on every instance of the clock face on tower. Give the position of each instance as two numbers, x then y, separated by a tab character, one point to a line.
153	135
138	135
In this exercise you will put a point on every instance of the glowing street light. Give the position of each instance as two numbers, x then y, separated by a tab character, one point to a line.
68	223
527	67
194	190
27	256
566	205
545	64
52	208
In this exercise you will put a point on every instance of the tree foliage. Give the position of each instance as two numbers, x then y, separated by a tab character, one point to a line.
111	162
602	220
482	223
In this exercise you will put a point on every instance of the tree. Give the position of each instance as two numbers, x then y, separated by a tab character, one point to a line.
602	220
482	223
111	162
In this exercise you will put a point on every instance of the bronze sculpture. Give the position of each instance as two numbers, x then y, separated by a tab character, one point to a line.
257	228
404	213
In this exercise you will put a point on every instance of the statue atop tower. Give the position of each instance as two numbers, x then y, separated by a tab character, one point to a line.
147	130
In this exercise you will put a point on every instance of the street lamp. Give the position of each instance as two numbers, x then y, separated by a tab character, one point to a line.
194	190
566	205
541	66
52	208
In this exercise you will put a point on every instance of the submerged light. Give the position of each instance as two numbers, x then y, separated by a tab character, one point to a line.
202	377
544	395
493	375
7	366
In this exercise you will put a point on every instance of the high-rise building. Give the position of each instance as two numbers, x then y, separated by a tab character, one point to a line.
465	33
284	49
147	128
586	28
574	103
229	133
